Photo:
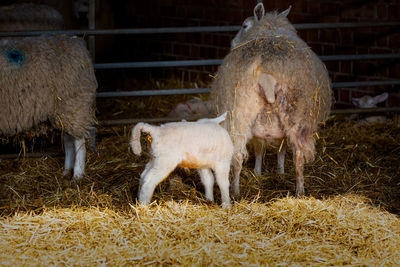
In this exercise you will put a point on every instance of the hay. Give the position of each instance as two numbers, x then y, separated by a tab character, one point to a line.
336	231
47	219
350	216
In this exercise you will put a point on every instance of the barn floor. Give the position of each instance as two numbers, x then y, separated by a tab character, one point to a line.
349	217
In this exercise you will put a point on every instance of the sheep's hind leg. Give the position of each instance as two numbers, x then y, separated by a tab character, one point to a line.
237	163
69	153
299	164
152	177
281	160
80	156
259	149
207	178
222	177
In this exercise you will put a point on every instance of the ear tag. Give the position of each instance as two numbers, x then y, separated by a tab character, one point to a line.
149	138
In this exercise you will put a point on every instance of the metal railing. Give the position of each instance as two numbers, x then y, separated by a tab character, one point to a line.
206	29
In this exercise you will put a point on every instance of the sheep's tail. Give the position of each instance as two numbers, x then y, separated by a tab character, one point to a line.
135	136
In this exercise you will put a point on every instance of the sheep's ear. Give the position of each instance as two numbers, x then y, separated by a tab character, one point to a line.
286	12
355	101
259	11
380	98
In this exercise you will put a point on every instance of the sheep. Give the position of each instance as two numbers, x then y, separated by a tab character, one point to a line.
274	88
46	83
198	108
203	145
368	101
195	107
20	17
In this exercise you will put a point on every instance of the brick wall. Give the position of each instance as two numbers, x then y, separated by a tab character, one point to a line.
178	13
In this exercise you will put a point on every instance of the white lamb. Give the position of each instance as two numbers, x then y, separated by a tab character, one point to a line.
203	145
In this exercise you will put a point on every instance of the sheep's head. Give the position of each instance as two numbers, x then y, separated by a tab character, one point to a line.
259	22
369	101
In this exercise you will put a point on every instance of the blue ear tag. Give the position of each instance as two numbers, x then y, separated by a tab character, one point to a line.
15	56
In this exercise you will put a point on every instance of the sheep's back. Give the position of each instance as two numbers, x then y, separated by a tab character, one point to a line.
291	62
46	79
203	140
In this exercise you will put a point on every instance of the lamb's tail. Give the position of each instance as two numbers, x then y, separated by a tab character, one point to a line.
216	120
135	136
220	118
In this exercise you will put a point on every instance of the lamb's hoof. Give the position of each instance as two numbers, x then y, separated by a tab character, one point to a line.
227	206
77	177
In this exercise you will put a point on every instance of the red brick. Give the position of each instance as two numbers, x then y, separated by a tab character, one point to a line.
317	48
312	35
330	36
346	67
394	100
382	11
343	95
369	11
328	49
332	66
394	12
314	7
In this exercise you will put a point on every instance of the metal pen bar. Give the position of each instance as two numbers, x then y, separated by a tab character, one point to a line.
156	120
366	83
91	40
303	26
309	26
365	110
154	64
208	62
208	90
359	57
155	92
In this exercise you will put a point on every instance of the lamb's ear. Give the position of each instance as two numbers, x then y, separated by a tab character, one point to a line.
259	11
286	12
380	98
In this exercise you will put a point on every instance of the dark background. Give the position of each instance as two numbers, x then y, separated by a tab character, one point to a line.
185	46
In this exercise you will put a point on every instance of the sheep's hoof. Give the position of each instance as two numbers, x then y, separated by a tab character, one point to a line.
299	193
235	193
66	172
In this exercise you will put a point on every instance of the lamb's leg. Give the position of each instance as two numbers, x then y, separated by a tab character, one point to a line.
281	160
80	157
69	153
207	178
237	163
299	164
259	149
222	177
152	177
149	165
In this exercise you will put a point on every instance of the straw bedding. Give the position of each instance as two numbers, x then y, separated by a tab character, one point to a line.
349	217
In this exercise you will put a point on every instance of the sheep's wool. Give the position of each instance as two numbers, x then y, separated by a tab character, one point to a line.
302	101
46	81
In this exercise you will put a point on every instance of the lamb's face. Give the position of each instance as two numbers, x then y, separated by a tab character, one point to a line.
241	35
369	101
